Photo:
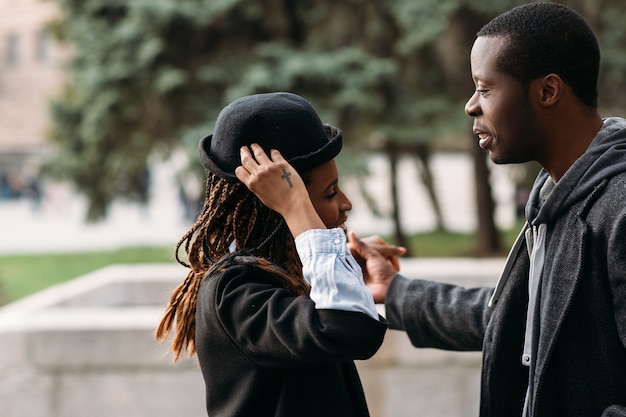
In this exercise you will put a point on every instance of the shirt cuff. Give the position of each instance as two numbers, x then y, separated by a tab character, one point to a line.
334	275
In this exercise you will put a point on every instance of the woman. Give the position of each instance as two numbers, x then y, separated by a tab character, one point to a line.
274	304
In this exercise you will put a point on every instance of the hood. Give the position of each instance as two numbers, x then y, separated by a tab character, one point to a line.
605	157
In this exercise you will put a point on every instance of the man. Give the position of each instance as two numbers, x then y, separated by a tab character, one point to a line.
553	330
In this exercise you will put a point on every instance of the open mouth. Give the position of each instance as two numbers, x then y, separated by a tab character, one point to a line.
483	140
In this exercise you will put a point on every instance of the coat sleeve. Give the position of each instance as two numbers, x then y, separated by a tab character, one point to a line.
617	272
439	315
617	280
274	328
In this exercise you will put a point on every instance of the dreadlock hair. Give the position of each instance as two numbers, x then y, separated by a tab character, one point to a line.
231	213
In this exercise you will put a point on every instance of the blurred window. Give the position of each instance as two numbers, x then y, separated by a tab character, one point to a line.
42	49
12	51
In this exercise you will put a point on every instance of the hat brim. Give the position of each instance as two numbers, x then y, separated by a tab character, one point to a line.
301	163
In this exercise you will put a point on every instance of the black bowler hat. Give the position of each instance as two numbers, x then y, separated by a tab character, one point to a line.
282	121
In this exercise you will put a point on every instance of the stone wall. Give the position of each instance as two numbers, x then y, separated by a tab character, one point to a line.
86	348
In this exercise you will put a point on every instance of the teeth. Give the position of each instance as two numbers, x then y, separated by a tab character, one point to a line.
483	136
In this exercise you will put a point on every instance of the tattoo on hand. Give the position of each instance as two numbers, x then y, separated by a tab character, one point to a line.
286	177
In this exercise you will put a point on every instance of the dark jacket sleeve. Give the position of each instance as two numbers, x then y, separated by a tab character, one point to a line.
438	315
617	280
617	271
274	328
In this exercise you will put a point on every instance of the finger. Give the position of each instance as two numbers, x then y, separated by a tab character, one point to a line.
352	239
276	156
248	160
395	263
378	244
392	254
242	174
357	245
259	154
368	246
354	249
352	236
370	240
390	250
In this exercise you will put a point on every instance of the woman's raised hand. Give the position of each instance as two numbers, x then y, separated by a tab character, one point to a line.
279	187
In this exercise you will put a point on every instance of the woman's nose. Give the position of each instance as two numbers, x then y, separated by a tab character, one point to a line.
346	204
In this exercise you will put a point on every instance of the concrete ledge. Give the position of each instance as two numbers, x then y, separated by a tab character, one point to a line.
86	347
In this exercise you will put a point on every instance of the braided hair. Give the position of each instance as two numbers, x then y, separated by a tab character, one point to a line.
231	213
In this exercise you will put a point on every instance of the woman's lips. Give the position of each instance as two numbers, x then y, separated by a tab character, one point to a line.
343	226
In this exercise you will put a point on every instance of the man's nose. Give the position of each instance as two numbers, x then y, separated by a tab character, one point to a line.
472	108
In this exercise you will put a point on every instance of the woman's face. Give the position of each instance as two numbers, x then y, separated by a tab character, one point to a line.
329	201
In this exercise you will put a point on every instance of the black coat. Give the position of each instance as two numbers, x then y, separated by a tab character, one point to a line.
264	352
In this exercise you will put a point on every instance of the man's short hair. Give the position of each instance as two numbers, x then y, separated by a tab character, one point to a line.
546	38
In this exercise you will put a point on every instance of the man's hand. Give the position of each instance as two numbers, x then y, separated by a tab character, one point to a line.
390	252
379	262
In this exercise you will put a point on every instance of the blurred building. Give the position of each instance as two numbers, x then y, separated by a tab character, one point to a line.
31	73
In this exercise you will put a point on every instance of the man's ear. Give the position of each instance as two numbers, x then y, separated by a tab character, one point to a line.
551	89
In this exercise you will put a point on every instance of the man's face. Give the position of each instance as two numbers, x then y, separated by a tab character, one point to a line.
503	117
